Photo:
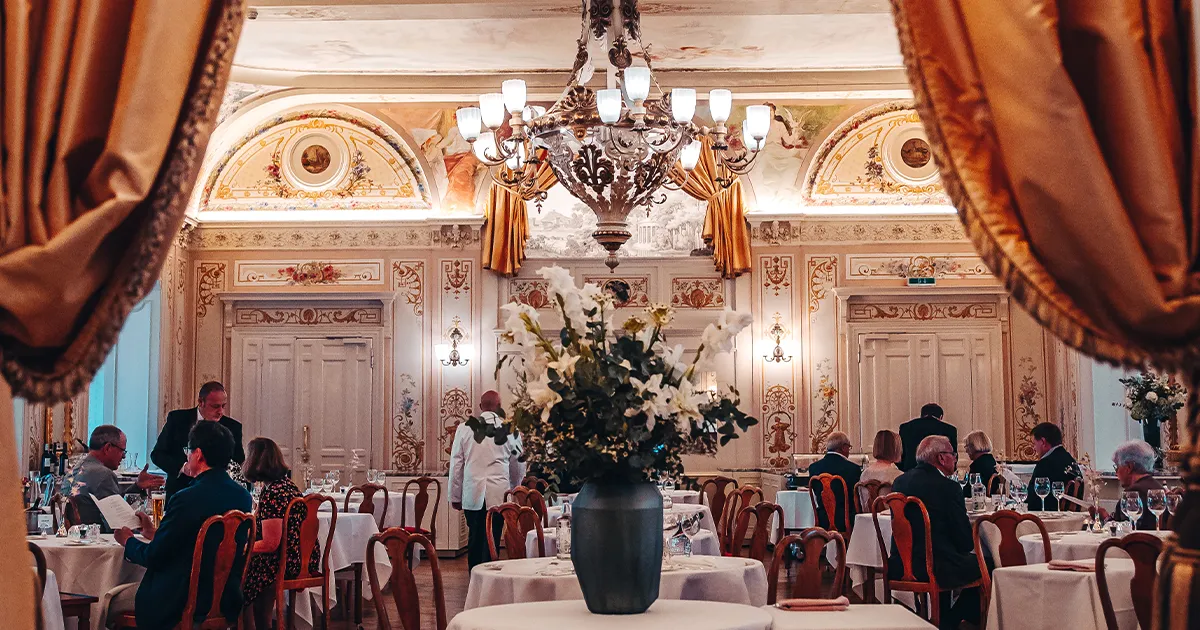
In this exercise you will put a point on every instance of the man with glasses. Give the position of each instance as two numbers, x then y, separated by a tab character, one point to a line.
94	477
954	559
168	450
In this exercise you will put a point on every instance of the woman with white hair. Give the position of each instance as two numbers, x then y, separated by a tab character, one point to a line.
979	448
1134	461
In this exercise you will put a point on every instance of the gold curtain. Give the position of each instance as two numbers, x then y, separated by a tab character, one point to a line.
725	226
506	220
106	110
1066	136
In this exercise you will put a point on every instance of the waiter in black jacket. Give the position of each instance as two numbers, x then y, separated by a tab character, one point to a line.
168	453
916	430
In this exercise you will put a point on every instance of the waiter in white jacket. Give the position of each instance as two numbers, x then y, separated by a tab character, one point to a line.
480	474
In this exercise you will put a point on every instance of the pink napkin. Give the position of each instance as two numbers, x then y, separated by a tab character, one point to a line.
813	605
1086	566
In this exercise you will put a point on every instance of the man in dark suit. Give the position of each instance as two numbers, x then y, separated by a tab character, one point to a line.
837	462
1054	462
954	560
162	594
930	423
168	450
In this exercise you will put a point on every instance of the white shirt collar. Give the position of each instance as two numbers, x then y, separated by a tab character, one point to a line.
199	416
1052	449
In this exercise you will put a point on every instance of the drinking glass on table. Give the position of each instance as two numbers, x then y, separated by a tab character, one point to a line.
1174	500
1156	502
314	486
158	504
669	485
1041	487
1131	505
372	475
1058	488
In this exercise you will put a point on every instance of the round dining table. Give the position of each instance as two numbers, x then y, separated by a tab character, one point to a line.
715	578
858	616
1072	546
88	569
573	614
1036	597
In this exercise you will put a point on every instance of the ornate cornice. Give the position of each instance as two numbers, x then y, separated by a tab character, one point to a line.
292	237
772	232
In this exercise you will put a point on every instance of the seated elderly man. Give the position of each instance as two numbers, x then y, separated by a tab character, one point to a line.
94	476
954	559
1134	461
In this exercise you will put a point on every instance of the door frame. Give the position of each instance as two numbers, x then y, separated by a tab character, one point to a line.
240	317
851	323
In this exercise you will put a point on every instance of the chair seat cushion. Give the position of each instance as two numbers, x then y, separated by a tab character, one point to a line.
124	620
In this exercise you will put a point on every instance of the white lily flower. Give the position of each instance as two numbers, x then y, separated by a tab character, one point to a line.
565	365
1151	397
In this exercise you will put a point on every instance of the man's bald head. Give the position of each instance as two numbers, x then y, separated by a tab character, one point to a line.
490	401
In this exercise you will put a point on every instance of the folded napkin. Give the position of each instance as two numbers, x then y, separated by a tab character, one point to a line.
813	605
1086	566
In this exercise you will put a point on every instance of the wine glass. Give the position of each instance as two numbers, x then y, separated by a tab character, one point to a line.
669	485
334	477
1156	502
1041	487
1174	500
372	475
1057	489
1131	505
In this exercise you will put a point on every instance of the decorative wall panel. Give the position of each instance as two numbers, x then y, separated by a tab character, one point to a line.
776	386
533	293
698	293
922	311
846	231
280	273
455	384
408	429
639	288
822	351
307	316
1029	383
210	279
957	266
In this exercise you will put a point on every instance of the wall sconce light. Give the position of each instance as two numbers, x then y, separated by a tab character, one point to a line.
777	355
456	352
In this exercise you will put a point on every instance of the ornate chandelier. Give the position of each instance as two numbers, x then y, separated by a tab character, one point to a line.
613	148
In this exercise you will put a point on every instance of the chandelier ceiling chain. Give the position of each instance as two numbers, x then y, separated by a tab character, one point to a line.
613	149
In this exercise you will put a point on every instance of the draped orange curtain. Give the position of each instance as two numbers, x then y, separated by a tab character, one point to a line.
506	220
1066	136
106	110
725	226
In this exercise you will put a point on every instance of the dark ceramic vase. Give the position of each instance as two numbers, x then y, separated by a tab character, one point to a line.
617	545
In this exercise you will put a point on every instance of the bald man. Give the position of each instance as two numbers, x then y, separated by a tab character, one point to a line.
480	474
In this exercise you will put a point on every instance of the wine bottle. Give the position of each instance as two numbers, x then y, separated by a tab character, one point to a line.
47	458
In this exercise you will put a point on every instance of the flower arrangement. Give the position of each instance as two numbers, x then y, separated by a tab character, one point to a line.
592	401
310	273
1152	398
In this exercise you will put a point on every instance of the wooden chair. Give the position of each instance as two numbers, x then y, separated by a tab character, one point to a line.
830	488
519	520
310	529
400	545
231	548
534	483
421	502
352	575
1011	553
716	492
1144	549
1074	488
904	534
807	581
997	484
865	493
532	498
738	499
762	513
39	564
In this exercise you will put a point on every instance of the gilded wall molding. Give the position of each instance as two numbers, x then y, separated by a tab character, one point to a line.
921	311
955	266
307	316
284	273
293	237
775	232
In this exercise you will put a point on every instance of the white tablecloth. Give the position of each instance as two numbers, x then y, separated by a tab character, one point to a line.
1071	546
52	615
348	547
797	509
704	543
89	569
1035	598
859	616
680	510
574	615
716	578
396	500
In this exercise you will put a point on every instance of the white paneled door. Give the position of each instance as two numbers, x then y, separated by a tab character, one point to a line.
305	392
962	371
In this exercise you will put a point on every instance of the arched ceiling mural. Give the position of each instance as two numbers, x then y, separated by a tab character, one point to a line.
316	160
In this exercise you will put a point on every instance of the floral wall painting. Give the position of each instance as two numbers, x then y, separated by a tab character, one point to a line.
825	398
1029	395
408	449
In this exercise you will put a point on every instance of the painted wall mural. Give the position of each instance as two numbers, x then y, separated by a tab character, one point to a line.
408	429
455	385
822	351
698	293
863	266
777	383
291	273
454	169
408	447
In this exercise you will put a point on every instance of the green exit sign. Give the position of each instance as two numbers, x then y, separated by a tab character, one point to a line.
922	282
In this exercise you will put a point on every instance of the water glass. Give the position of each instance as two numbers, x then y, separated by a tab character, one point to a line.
1131	505
1041	487
372	475
998	501
1174	500
45	524
1057	489
669	485
1156	502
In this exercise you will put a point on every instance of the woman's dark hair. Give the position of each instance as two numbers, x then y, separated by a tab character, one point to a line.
264	461
214	441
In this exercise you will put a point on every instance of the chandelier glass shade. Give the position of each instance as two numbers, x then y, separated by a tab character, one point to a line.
612	148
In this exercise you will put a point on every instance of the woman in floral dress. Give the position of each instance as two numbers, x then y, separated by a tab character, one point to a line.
264	463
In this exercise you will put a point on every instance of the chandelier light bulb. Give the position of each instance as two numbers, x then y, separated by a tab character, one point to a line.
690	155
637	82
608	104
533	111
492	107
514	95
752	142
683	104
720	102
517	159
485	146
469	123
758	121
